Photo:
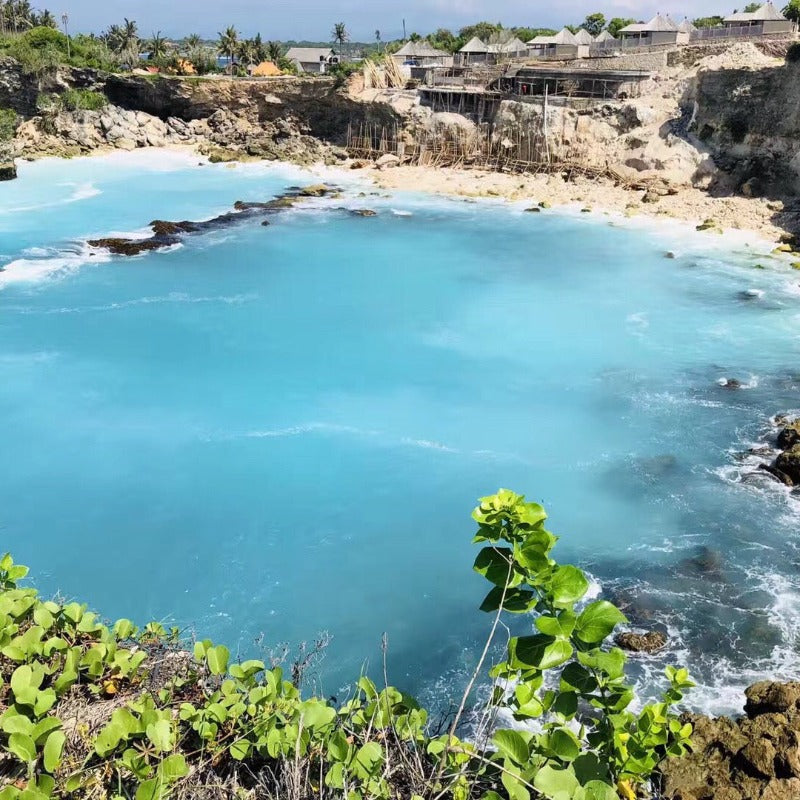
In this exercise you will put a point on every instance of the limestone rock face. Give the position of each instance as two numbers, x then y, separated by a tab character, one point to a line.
753	758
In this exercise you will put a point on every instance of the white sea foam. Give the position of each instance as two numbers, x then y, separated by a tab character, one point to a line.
36	270
82	191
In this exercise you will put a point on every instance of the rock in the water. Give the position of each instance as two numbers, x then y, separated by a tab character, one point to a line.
8	171
131	247
781	477
162	227
363	212
314	191
789	435
650	642
788	462
533	210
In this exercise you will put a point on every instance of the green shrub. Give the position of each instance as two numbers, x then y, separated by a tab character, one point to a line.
793	53
83	100
155	719
8	124
43	37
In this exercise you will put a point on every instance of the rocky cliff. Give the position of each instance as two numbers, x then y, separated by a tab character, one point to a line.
750	121
292	119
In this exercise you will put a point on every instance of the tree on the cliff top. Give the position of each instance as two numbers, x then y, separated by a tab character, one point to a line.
708	22
340	35
483	30
156	47
618	23
792	10
228	40
594	23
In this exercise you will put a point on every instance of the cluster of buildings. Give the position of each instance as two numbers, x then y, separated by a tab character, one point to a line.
417	56
565	45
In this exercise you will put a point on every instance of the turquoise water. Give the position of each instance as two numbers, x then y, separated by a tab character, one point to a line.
282	430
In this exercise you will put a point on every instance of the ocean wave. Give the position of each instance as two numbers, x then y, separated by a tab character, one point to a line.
59	265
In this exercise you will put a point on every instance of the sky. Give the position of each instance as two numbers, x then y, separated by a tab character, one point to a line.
314	19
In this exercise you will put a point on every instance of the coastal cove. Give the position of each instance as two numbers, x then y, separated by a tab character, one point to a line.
161	413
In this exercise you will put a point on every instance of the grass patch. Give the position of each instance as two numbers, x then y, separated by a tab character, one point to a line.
8	124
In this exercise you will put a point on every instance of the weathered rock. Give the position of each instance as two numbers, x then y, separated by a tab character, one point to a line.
386	161
132	247
759	756
650	642
363	212
789	435
770	697
781	477
8	171
788	462
162	227
319	190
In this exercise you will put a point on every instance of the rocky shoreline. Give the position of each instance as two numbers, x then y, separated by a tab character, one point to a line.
756	757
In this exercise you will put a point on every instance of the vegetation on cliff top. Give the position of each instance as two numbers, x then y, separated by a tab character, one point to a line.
116	711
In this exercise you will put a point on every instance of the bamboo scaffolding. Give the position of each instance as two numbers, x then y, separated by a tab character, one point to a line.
533	150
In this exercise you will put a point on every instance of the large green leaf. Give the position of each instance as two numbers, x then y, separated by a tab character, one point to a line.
562	625
53	749
513	745
517	601
567	586
564	744
540	651
496	565
22	747
317	714
161	735
217	659
597	621
579	678
552	782
611	662
173	768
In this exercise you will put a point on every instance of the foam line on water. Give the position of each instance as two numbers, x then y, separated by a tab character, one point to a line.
37	270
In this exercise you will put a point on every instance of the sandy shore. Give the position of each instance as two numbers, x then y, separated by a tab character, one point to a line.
689	204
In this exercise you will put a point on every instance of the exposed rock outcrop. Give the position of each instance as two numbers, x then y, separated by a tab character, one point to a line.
786	466
167	233
753	758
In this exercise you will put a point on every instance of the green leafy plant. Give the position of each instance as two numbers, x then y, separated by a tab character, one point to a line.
168	721
564	674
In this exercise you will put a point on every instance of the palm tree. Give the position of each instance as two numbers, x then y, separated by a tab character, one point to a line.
156	47
275	52
193	42
45	20
259	49
227	42
246	52
340	34
130	35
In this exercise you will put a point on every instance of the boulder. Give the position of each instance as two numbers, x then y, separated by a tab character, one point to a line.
759	756
8	170
363	212
769	697
386	161
788	462
789	435
650	642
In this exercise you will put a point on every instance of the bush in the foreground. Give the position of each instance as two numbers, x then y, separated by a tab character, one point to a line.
92	711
